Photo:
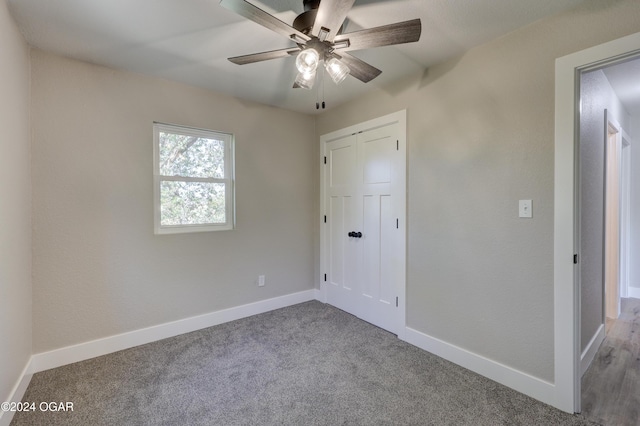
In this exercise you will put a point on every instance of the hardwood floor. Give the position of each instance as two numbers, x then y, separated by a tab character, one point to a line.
611	385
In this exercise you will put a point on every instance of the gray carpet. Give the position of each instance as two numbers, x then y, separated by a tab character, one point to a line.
309	364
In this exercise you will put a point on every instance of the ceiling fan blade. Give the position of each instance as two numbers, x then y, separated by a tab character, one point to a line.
264	56
259	16
359	68
386	35
331	15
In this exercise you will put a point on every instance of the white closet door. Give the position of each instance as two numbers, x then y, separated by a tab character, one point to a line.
364	202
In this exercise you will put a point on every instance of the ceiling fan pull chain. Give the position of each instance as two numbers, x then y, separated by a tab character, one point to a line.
322	81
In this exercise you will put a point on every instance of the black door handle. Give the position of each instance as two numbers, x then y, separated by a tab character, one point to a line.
357	234
351	234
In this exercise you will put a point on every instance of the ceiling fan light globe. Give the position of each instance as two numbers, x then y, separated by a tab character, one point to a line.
336	70
307	60
306	79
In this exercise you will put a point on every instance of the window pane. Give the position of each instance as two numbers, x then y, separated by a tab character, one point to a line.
191	156
191	203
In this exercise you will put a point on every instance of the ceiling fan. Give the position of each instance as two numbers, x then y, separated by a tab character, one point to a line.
317	33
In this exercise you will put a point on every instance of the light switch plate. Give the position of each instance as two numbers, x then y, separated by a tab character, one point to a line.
525	208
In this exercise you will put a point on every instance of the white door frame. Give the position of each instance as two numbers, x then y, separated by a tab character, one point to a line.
625	214
624	155
612	129
566	214
399	117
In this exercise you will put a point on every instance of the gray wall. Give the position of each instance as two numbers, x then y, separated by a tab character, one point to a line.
98	269
481	137
596	95
15	206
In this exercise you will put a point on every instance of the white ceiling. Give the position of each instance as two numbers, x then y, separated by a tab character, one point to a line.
190	40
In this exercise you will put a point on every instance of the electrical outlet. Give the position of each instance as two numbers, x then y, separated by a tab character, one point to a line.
261	281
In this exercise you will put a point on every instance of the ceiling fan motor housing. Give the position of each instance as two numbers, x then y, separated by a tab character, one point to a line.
310	4
304	22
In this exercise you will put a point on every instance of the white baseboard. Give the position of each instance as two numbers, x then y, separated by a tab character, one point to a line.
521	382
82	351
634	292
16	394
590	351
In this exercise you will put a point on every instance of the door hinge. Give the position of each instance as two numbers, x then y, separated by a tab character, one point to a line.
325	277
325	218
397	145
397	223
575	259
396	301
325	159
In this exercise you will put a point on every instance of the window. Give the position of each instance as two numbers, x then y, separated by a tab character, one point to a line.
193	179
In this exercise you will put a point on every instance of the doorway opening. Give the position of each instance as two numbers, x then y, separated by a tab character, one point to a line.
607	112
567	199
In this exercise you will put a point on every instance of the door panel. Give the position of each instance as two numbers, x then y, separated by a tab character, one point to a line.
342	158
380	163
336	242
371	246
388	236
342	255
376	158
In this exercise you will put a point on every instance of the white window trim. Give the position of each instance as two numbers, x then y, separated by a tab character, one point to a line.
228	180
